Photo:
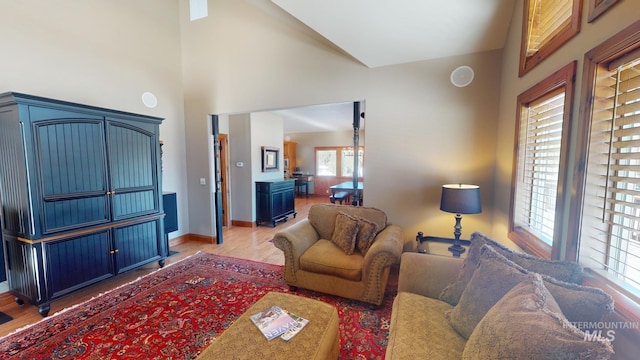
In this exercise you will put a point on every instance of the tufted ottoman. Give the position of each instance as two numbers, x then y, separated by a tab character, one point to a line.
319	339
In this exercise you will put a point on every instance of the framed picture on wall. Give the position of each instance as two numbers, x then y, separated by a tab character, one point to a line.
598	7
270	158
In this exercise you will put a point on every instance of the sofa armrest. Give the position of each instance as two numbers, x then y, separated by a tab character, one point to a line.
388	244
294	241
427	275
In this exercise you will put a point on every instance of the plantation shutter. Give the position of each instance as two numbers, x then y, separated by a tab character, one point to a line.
546	19
610	233
538	165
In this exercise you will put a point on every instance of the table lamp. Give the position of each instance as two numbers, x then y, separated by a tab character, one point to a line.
460	199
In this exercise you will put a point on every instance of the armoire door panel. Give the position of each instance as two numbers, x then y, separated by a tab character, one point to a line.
132	169
71	156
65	214
137	244
71	161
135	203
77	262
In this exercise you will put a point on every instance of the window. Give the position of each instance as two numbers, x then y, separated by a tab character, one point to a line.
547	25
541	146
331	159
347	162
326	162
609	214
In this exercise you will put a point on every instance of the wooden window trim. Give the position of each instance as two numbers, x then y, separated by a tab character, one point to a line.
598	7
563	78
626	307
569	31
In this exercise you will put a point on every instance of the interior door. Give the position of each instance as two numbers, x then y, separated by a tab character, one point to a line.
224	176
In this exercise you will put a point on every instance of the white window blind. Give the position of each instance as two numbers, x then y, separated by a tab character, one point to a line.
547	18
610	233
539	143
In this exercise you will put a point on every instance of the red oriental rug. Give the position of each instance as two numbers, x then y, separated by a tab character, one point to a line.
177	311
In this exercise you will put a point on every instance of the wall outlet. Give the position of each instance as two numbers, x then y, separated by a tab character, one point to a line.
203	181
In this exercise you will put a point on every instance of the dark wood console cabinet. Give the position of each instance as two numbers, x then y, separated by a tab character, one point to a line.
275	201
81	197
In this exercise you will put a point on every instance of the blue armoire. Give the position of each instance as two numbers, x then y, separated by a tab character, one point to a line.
81	199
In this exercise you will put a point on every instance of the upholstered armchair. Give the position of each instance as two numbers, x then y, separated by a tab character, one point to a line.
328	253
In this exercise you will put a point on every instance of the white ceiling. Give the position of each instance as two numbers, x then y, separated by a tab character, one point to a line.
327	117
390	32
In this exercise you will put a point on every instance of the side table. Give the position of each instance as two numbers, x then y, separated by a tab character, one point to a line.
437	245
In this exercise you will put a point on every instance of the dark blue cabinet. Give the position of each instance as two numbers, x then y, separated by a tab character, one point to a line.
81	195
275	201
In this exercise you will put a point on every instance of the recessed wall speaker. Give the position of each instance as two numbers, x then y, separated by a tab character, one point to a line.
462	76
149	100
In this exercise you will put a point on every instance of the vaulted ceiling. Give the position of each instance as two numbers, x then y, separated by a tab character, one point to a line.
390	32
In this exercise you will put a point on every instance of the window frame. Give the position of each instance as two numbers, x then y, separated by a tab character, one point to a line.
563	78
560	38
338	150
624	42
616	47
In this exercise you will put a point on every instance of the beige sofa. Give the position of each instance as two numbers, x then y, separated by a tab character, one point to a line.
313	261
496	308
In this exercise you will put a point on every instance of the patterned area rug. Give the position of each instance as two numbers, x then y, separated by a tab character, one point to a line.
175	312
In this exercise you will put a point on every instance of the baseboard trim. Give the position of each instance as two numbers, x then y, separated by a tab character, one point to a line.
249	224
202	238
179	240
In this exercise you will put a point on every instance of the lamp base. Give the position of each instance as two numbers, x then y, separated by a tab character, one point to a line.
456	249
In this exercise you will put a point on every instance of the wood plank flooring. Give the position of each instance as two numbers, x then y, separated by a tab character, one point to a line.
241	242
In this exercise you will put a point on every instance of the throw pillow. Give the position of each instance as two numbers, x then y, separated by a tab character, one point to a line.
562	270
527	324
366	235
580	303
494	277
345	232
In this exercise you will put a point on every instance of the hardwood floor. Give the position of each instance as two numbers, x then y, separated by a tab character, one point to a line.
241	242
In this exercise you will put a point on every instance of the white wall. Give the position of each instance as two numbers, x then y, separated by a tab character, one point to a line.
241	178
422	131
102	53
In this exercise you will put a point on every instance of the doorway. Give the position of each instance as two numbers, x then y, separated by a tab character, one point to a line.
236	148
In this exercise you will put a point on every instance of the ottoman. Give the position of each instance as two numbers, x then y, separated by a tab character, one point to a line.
319	339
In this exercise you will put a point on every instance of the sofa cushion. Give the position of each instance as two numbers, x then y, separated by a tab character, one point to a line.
562	270
418	330
578	303
528	311
325	257
493	278
323	217
366	235
345	232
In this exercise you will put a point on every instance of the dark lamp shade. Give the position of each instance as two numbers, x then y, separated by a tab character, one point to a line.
460	199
